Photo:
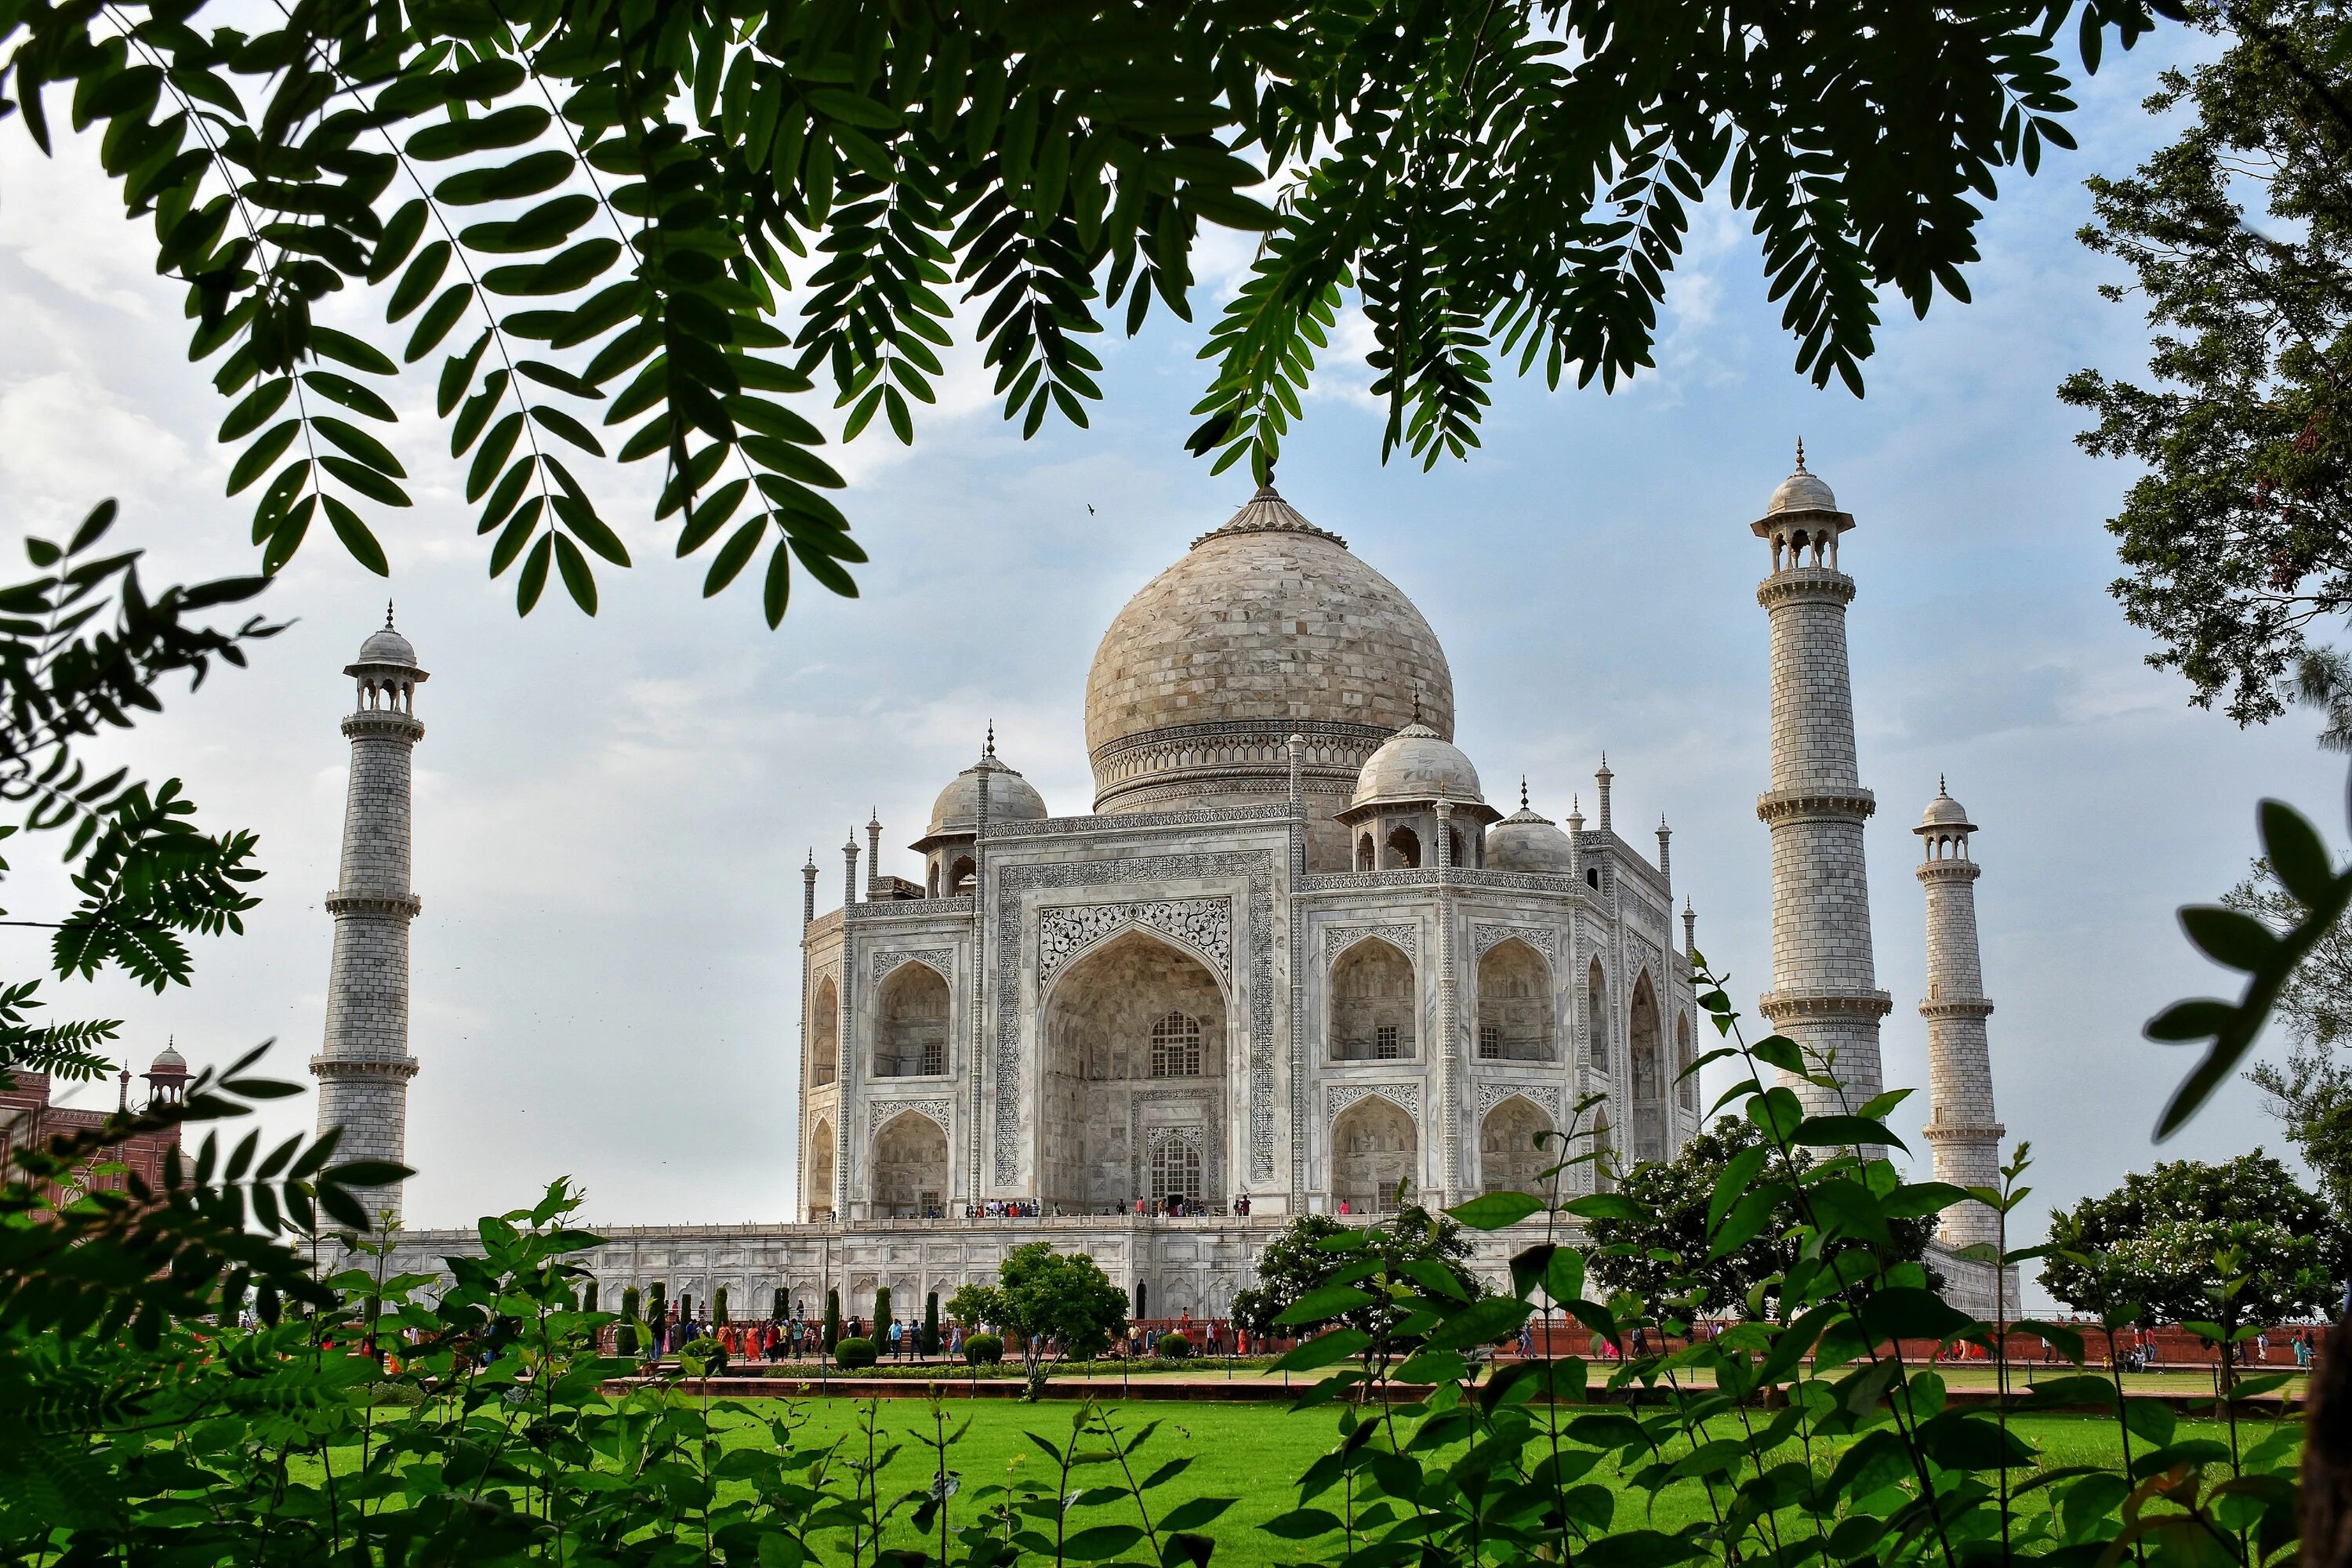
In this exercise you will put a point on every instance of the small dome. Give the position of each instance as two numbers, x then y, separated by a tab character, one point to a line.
1802	491
1011	798
1525	841
1943	812
167	1060
386	646
1416	764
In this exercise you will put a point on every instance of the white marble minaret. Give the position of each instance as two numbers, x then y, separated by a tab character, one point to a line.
1961	1124
364	1067
1824	991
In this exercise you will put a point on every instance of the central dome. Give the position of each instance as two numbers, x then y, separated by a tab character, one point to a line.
1267	627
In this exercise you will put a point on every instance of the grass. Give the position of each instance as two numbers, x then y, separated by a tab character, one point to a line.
1250	1452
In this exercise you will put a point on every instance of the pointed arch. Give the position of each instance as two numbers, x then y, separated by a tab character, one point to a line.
824	1032
1686	1088
910	1167
1604	1154
1512	1156
911	1022
1596	1017
1373	1009
1375	1147
1645	1048
1516	1015
818	1202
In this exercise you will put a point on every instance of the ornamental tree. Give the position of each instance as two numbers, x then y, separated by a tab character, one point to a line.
2232	1245
1302	1259
1043	1295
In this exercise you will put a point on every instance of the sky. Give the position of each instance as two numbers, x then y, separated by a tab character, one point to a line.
610	814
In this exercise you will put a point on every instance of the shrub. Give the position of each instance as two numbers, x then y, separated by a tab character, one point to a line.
983	1350
1174	1346
930	1345
626	1341
718	1308
882	1313
854	1353
831	1319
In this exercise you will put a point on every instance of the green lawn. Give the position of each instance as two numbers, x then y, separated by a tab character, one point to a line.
1250	1452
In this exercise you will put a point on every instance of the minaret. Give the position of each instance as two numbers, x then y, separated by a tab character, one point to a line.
1824	991
1961	1124
364	1067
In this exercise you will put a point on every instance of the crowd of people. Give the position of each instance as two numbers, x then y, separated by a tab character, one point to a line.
1176	1205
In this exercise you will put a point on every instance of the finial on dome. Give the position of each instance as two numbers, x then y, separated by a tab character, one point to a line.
1800	454
387	615
1523	792
990	750
1942	788
874	817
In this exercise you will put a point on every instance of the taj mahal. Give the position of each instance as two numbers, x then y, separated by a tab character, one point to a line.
1296	956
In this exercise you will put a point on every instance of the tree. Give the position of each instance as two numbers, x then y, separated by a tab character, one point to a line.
2311	1093
626	1339
930	1342
832	1318
2232	1245
1043	1297
2236	538
1657	1243
882	1315
1301	1259
718	1308
676	222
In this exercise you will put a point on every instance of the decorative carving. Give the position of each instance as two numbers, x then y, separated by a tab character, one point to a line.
1011	881
1205	925
942	959
878	1111
1336	940
1337	1096
1159	1138
1543	1097
1545	940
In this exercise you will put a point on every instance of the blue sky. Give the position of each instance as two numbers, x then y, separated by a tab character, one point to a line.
611	813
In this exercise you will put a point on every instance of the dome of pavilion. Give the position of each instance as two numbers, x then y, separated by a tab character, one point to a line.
1010	798
386	646
1525	841
1267	627
1417	766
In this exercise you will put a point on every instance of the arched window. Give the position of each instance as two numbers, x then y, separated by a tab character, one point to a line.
960	874
1645	1048
1604	1155
1176	1169
1688	1087
820	1168
1404	850
1176	1047
1364	853
824	1034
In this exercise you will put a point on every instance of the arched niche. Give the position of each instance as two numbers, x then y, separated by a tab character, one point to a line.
1099	1024
1604	1154
1512	1154
1366	857
1687	1091
1404	849
1374	1009
1596	1016
910	1167
820	1171
1646	1046
960	875
1374	1147
1516	1017
824	1032
910	1023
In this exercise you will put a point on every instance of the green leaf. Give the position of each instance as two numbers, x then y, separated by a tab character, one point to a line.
356	539
1494	1211
1302	1524
1098	1542
1837	1131
1328	1301
578	580
2296	853
2228	936
1325	1350
1194	1513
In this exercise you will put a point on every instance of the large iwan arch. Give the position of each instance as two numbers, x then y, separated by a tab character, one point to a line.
1647	1047
1375	1149
1374	1012
1514	1151
1135	1015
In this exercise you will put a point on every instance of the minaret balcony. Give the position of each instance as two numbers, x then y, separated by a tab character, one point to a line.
408	904
1953	869
1791	584
1956	1007
1957	1133
383	724
1846	803
1780	1005
363	1066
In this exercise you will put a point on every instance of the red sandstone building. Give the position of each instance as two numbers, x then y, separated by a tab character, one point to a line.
29	1120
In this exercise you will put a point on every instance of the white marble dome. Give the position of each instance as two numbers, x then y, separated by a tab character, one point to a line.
168	1061
1944	811
386	646
1416	764
1525	841
1267	624
1802	491
1010	798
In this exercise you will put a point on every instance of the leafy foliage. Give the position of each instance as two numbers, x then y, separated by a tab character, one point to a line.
2235	1243
2237	539
1053	1306
1659	1239
2311	1092
683	228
